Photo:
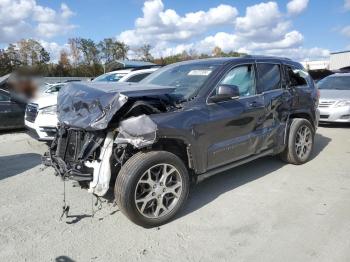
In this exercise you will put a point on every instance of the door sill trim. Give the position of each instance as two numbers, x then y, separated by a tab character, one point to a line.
220	169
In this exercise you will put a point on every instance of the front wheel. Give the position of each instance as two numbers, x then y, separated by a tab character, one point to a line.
300	142
151	187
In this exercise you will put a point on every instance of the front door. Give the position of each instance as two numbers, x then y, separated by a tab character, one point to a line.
229	132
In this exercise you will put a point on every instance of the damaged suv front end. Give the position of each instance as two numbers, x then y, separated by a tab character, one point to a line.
99	125
183	123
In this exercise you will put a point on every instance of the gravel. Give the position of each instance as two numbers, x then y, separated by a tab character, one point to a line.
262	211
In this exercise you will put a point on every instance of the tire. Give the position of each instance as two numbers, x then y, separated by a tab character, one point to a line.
134	183
293	153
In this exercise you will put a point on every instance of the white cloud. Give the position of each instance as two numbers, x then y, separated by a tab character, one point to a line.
259	16
295	7
263	29
300	53
158	24
26	18
54	49
347	4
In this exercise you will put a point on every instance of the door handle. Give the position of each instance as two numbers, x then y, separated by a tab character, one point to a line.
254	104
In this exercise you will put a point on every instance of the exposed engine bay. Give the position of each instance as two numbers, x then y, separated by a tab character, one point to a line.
100	129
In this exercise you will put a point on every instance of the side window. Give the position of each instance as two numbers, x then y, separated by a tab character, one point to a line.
243	77
113	78
297	77
269	77
137	78
4	97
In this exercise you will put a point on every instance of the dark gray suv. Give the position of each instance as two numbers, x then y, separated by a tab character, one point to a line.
183	123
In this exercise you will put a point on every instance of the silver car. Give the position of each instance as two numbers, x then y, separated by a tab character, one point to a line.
334	102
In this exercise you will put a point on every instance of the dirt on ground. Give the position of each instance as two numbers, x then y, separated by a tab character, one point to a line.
262	211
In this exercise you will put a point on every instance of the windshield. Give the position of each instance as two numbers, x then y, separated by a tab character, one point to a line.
187	78
108	77
54	89
335	83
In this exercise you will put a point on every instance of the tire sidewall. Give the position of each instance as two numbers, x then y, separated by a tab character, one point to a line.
295	126
150	160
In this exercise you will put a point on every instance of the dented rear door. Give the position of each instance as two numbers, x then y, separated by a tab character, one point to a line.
277	102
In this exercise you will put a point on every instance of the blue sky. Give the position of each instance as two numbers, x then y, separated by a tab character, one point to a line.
302	29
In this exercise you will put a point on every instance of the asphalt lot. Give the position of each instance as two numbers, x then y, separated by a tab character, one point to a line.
262	211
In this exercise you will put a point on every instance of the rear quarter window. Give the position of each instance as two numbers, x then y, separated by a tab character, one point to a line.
298	77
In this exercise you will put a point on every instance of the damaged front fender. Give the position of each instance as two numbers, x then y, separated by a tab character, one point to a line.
140	131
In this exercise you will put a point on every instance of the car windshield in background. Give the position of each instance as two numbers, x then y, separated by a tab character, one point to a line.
108	78
54	89
335	83
187	78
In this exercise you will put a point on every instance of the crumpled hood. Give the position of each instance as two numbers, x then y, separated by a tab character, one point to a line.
91	106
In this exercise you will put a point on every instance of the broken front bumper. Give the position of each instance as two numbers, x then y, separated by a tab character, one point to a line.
88	156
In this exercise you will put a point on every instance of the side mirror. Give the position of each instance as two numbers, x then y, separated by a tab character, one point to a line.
224	93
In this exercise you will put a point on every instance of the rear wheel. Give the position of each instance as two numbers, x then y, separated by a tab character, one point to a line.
300	142
151	187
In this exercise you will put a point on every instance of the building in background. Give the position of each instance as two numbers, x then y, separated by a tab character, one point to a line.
340	61
316	65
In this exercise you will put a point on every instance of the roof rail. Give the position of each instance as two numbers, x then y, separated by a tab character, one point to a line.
143	67
266	56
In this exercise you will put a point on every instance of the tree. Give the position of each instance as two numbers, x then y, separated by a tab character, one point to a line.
5	63
14	56
64	60
107	49
44	56
32	53
121	50
89	50
111	50
217	52
74	50
144	53
64	67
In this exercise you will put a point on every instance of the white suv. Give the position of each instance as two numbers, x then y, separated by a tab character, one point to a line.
125	75
40	116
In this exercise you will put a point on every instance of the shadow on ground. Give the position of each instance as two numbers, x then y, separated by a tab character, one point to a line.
64	259
12	131
15	164
213	187
334	125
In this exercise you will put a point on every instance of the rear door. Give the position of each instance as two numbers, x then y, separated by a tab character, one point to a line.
277	101
300	84
232	125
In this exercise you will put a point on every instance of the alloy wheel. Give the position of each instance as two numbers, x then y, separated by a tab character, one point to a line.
158	190
303	142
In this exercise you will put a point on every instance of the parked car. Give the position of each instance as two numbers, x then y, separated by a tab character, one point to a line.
11	111
41	113
185	122
138	75
115	76
335	98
